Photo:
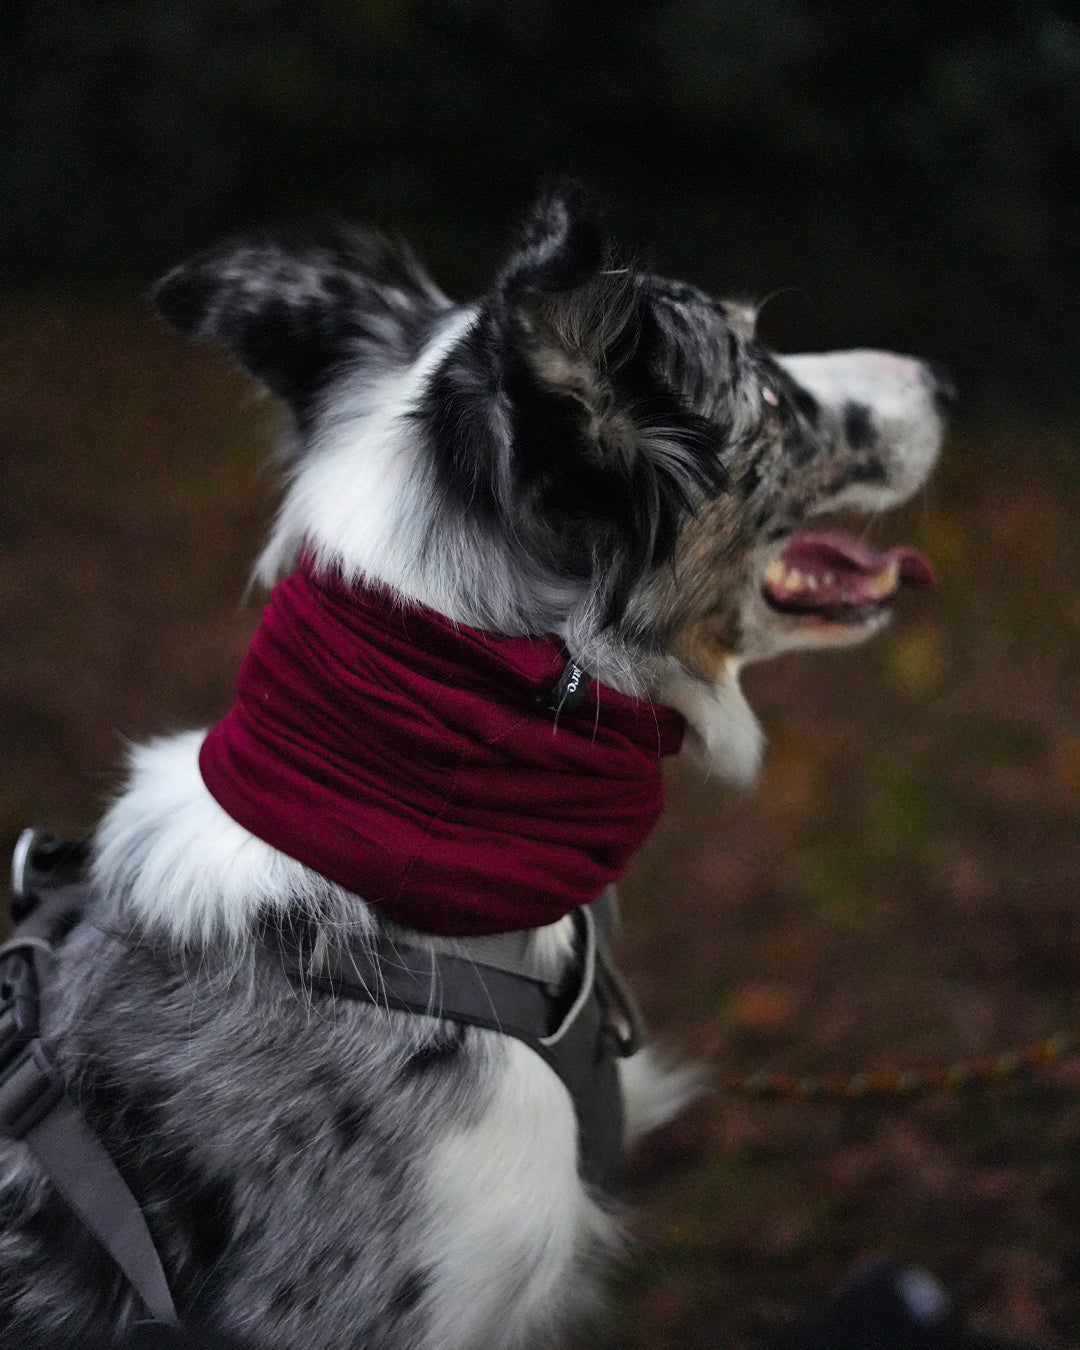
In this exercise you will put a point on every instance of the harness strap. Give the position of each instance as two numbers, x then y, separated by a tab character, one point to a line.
85	1175
433	983
579	1033
35	1108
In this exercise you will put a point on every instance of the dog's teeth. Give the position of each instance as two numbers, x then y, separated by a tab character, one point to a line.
789	578
884	582
775	573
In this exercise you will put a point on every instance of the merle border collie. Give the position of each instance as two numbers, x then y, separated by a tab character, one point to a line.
592	470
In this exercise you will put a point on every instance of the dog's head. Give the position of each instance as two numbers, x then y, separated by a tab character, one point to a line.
589	449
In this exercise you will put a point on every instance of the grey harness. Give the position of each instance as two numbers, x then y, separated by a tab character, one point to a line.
579	1026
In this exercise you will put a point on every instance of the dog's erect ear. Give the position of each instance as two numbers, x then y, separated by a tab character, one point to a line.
560	244
291	311
558	309
609	459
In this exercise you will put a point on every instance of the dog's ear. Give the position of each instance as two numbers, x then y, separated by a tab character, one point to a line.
560	245
291	311
608	458
563	308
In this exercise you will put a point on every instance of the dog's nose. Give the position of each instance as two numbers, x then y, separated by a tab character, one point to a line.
942	386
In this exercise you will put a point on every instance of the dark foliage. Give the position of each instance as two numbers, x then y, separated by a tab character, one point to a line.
911	176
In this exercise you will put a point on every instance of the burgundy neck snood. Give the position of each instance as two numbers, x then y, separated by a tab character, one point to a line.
413	761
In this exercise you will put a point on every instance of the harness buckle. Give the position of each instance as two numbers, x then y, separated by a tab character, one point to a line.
31	1087
29	1082
41	861
20	861
623	1020
44	904
20	1005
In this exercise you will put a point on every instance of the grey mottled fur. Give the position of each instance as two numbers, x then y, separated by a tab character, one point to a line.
268	1135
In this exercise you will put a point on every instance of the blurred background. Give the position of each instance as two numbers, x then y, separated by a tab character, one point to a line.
901	891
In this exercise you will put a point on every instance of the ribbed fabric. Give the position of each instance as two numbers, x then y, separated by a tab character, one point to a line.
413	761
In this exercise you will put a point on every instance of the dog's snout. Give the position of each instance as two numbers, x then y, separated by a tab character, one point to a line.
893	386
942	386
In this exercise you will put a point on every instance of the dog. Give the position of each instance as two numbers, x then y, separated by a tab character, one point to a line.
565	515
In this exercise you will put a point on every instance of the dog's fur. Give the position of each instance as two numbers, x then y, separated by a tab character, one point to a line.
590	451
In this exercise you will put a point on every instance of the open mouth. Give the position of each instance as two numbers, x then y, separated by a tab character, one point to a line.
838	579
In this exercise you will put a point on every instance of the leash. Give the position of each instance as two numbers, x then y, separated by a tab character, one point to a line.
891	1083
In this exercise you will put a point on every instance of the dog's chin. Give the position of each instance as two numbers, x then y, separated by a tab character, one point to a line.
772	632
818	589
723	740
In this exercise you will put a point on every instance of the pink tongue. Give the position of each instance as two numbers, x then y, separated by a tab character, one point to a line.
815	553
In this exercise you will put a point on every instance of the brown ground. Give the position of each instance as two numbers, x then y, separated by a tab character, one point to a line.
899	892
